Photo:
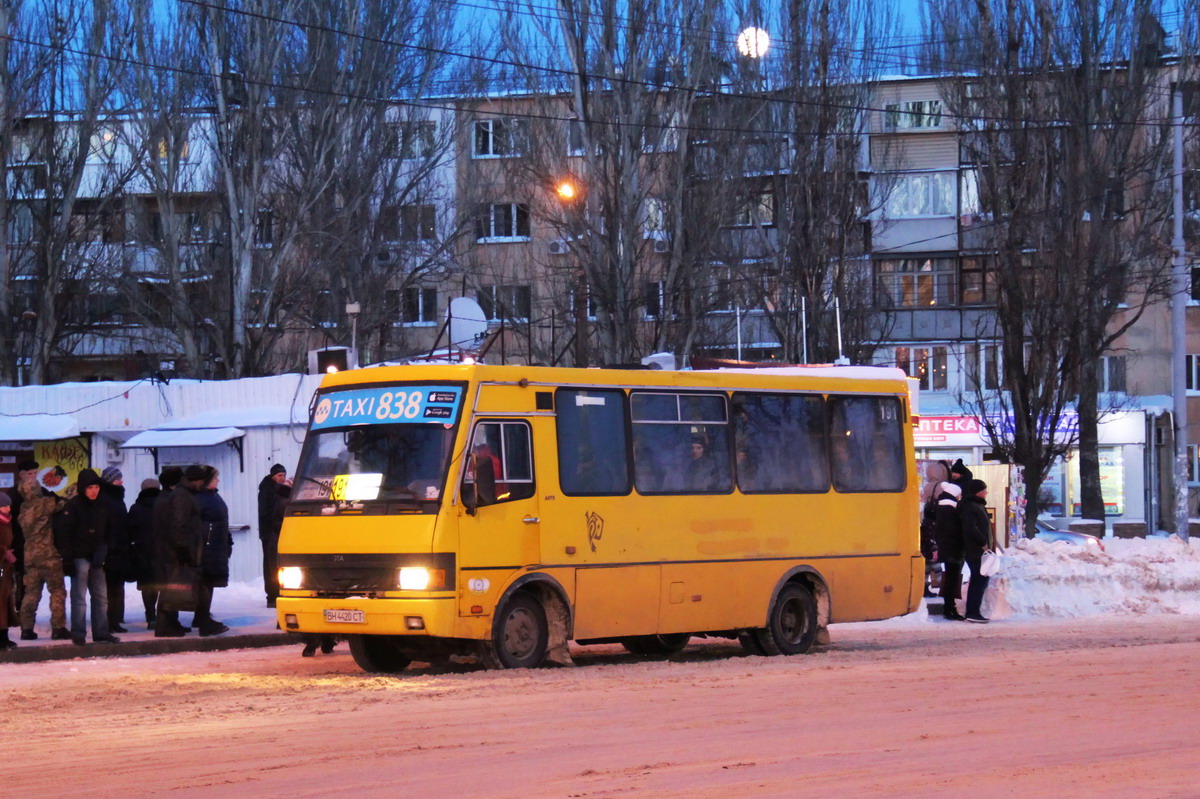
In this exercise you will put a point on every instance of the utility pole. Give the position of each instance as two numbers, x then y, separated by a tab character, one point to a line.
1179	296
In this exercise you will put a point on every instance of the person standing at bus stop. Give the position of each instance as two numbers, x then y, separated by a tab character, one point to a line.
977	537
273	494
948	529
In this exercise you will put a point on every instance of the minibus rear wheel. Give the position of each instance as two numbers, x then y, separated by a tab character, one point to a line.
792	623
379	654
520	636
656	644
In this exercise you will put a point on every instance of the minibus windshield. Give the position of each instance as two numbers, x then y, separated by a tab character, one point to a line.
378	444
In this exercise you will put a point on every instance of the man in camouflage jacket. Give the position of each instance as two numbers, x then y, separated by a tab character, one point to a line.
43	564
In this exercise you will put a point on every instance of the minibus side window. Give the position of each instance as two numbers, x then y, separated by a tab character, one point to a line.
592	442
866	444
780	443
680	443
499	464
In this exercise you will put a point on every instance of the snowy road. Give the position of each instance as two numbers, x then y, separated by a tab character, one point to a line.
1064	708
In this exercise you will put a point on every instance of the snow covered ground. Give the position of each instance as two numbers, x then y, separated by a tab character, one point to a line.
1084	687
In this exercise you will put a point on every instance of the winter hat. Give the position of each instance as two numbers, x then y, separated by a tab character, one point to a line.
959	467
150	483
975	486
278	468
952	490
170	476
111	474
27	466
87	477
195	472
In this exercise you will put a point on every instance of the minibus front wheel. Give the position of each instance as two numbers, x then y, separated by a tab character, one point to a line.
379	654
520	635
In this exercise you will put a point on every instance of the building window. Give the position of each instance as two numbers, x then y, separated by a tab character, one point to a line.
661	133
499	138
1192	463
103	144
414	140
264	228
182	148
914	115
978	281
575	138
417	222
420	306
917	282
981	367
659	304
756	210
1112	374
1193	373
655	223
922	194
502	222
511	302
926	364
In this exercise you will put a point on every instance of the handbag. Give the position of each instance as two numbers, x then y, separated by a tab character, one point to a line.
989	564
181	590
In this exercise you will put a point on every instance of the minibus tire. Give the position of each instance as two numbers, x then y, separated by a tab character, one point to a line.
521	635
792	625
378	654
669	644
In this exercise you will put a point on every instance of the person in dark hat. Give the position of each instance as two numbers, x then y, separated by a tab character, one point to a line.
977	537
960	475
166	622
117	565
185	547
141	546
218	546
81	535
273	493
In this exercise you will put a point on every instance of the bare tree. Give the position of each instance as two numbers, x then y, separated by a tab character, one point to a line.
68	185
1058	104
618	88
820	87
23	64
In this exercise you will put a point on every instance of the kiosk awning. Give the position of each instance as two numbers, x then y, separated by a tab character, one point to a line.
196	437
38	427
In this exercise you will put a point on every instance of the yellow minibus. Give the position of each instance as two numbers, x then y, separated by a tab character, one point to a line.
504	511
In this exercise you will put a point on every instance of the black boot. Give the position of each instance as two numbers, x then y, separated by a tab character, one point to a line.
950	612
28	635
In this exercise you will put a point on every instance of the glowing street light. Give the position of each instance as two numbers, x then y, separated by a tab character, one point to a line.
753	42
566	190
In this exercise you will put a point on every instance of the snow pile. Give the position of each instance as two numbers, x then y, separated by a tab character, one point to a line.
1131	576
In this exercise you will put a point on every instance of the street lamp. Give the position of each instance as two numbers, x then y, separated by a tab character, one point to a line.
352	310
753	42
569	192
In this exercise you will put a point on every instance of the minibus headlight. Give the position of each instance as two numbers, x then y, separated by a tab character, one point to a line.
419	578
291	577
414	578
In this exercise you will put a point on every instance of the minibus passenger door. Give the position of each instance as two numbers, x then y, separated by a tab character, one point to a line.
499	523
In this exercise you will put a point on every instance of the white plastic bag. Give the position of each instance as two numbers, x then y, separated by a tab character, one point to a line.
989	564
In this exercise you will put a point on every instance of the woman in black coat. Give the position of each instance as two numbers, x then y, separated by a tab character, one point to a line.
949	547
218	546
141	546
977	537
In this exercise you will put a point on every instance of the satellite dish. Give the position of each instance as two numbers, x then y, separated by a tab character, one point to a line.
467	324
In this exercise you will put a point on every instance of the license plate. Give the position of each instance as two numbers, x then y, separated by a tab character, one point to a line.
344	616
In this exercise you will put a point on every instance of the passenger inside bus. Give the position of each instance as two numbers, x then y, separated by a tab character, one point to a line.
484	467
701	472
